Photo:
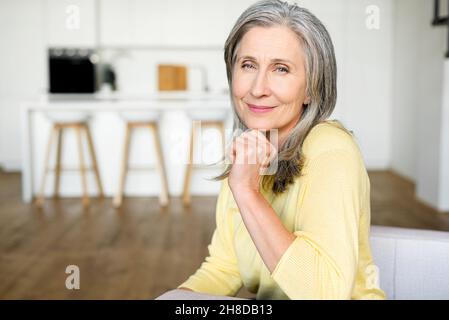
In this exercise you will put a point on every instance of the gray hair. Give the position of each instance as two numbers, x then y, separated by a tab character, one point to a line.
321	72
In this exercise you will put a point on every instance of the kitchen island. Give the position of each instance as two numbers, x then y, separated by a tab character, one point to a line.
107	121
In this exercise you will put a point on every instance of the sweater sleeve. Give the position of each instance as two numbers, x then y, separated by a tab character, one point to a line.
321	262
219	273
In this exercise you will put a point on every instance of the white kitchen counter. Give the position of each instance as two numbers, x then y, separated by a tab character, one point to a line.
108	129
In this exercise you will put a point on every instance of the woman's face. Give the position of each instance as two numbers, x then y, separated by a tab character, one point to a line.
269	79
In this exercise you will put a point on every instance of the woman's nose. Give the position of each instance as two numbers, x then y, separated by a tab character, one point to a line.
260	85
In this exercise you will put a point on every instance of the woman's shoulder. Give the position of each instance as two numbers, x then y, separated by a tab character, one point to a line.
329	135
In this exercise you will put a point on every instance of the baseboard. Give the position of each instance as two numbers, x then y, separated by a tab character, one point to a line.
11	166
377	164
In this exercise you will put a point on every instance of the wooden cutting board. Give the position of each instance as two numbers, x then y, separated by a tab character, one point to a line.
172	77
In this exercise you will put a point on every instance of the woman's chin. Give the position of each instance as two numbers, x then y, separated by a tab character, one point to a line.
260	125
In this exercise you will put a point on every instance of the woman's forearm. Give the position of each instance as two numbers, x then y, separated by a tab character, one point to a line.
267	232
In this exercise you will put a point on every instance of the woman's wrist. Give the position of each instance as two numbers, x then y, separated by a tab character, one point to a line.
245	196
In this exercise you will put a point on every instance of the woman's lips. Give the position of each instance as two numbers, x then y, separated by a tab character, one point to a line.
259	109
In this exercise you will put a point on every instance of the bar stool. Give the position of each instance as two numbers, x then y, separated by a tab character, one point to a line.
149	120
62	121
208	119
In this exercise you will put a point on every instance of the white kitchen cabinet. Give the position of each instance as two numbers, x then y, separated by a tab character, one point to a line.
169	23
70	23
115	22
130	23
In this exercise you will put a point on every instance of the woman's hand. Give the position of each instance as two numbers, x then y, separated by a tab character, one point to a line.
250	155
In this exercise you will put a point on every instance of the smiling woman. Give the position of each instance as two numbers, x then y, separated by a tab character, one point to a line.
270	91
281	55
303	231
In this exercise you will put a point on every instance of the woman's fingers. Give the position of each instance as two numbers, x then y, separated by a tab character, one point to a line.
266	150
252	147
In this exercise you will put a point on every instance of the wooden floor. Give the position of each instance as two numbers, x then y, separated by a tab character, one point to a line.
140	251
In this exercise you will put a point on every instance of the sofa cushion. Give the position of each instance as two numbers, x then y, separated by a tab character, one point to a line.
413	264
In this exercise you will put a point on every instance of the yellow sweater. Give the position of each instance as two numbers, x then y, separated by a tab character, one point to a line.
327	208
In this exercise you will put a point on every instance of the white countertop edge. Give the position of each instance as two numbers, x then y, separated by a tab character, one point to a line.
117	105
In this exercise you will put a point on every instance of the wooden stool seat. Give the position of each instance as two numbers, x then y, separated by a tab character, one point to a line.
153	126
58	131
68	117
141	116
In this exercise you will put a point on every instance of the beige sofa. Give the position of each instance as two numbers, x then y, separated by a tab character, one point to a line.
413	264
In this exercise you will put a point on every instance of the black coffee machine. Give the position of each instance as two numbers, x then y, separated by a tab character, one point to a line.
72	70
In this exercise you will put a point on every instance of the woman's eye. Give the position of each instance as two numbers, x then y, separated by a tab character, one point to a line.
282	69
247	66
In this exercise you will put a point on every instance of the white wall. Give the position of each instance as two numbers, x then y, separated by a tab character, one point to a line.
418	71
429	112
366	79
443	201
406	86
23	70
419	134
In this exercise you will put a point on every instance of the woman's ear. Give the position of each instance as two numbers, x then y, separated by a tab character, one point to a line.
307	100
